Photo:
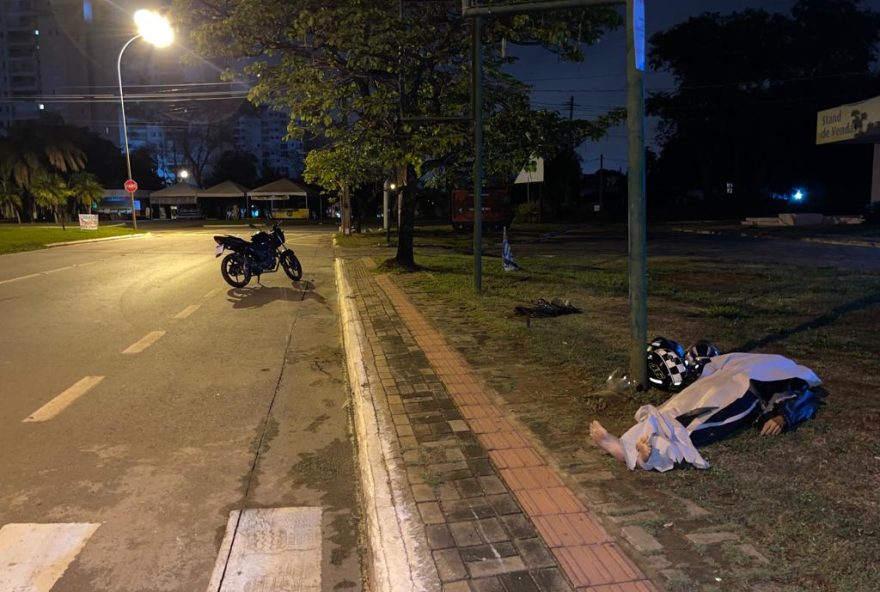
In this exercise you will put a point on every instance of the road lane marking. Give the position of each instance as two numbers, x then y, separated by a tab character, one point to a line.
212	292
34	556
38	274
148	340
270	549
62	401
187	311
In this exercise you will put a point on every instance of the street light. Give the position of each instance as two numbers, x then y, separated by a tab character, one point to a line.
154	29
184	174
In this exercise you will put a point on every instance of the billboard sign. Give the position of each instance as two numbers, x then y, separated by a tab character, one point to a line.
856	122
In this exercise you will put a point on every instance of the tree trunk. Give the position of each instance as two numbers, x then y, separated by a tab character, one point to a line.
406	219
346	210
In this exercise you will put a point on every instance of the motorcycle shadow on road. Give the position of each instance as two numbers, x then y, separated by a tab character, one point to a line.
261	295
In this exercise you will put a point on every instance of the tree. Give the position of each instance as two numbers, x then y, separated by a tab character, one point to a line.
386	85
32	151
749	85
234	165
85	190
50	191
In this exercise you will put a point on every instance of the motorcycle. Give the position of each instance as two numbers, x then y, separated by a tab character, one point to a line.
262	254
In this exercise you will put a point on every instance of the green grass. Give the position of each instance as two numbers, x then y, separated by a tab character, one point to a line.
26	237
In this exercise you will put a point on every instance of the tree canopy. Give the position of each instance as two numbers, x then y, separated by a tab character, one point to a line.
749	85
384	86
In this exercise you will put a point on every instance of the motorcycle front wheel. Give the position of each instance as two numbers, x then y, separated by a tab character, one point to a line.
291	265
235	270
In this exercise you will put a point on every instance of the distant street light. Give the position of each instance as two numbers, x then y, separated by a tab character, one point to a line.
155	30
184	174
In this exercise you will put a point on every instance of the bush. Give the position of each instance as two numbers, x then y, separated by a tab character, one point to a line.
528	212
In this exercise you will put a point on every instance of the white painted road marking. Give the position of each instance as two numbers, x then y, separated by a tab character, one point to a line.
148	340
38	274
60	403
187	311
273	550
212	292
34	556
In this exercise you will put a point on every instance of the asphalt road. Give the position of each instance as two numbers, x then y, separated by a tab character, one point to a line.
202	400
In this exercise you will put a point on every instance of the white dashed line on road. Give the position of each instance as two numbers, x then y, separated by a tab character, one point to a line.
33	275
270	549
34	556
187	311
148	340
62	401
212	292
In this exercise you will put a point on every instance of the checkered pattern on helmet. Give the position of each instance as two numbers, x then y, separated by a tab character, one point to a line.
674	365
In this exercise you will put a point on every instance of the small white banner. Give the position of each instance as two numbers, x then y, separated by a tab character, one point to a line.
88	221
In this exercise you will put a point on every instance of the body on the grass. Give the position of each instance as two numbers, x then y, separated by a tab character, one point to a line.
735	390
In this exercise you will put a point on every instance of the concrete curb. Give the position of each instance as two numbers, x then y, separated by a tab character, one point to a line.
397	561
98	240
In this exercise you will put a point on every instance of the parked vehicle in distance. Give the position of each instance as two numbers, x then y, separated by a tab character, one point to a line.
496	208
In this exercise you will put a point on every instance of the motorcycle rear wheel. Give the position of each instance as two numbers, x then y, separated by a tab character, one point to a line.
291	265
235	271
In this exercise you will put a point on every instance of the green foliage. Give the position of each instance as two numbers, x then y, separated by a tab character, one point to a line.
528	212
385	86
749	86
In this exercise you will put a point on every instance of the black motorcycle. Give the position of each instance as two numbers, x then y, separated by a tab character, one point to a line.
262	254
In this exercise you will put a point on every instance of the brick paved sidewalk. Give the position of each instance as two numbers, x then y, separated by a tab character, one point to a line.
490	512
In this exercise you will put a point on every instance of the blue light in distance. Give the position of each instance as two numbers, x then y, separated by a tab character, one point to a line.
798	195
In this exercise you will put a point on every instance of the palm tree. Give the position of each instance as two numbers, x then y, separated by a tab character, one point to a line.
10	200
85	190
31	149
51	191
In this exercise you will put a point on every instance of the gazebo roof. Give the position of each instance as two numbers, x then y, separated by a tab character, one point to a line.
177	190
177	194
281	187
225	189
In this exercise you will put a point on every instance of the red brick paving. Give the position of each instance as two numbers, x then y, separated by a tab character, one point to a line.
584	550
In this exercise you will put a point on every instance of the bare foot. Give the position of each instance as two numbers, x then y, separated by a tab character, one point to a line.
605	441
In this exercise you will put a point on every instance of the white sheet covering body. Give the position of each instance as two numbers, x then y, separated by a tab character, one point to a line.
724	380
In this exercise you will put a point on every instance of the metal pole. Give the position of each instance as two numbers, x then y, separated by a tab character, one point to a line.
125	126
635	124
386	202
477	71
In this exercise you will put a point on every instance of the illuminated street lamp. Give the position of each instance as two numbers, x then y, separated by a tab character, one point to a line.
155	30
184	174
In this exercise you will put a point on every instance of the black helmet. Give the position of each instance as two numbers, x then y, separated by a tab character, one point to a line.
698	355
666	368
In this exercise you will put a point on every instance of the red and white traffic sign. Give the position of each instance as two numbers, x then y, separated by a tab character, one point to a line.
131	186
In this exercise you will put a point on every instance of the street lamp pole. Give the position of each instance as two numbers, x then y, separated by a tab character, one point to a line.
154	29
125	126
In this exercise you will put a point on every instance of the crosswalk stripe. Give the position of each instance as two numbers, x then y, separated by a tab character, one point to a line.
148	340
34	556
60	403
187	311
270	549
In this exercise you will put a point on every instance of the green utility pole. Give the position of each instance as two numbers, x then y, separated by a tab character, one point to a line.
635	119
477	69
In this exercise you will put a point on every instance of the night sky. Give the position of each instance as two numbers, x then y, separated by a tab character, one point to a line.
599	83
